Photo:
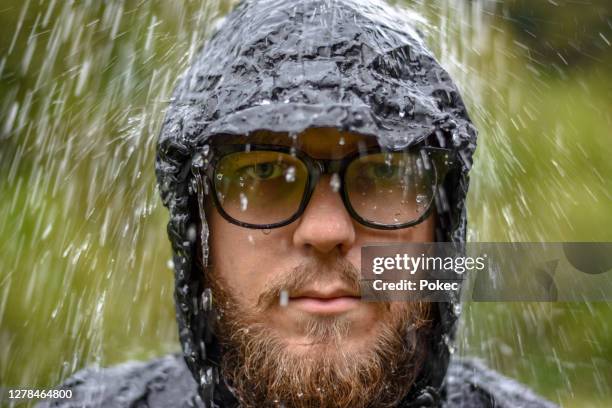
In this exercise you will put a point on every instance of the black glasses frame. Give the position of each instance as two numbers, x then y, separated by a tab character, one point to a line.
316	168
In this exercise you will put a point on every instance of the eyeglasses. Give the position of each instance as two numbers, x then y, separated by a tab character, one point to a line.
269	186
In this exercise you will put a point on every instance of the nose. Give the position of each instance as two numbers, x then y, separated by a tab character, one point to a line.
325	225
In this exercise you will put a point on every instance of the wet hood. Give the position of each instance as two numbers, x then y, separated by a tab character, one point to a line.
288	65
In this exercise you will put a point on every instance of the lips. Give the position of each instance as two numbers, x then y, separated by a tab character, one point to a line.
325	301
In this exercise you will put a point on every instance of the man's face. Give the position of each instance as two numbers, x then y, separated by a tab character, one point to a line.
296	288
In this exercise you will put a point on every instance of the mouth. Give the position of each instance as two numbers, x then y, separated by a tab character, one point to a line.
329	302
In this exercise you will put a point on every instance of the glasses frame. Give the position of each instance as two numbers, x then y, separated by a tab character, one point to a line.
318	167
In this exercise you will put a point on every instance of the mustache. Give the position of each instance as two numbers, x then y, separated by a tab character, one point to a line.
306	273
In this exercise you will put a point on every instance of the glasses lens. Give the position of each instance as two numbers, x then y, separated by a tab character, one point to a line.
260	187
390	188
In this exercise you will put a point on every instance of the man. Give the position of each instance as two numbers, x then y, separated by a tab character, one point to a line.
303	131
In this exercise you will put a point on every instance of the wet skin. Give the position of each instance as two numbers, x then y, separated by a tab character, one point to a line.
324	232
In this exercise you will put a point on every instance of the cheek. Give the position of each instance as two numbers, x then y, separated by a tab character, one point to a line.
246	258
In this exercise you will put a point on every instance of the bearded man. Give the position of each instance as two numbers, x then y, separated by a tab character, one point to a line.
302	131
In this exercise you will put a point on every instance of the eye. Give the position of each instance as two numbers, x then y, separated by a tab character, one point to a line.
263	171
382	171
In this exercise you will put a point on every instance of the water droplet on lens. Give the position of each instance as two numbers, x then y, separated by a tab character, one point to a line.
244	202
421	202
290	174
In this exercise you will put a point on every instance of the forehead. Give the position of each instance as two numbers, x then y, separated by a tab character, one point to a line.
318	143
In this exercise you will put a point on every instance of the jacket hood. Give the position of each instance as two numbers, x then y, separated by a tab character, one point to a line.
286	66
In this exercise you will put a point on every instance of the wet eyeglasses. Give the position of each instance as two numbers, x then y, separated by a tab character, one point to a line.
269	186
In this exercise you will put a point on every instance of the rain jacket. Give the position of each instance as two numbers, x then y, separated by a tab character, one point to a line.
286	66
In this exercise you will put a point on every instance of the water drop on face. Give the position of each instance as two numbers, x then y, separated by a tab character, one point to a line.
290	174
284	298
335	182
266	231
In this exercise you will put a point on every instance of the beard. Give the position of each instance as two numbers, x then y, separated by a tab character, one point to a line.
262	370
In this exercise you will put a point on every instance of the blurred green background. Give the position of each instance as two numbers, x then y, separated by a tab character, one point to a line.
85	270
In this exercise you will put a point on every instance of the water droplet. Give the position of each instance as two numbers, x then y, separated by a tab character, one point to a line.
219	176
426	162
192	233
457	308
207	299
421	201
284	298
244	202
198	161
335	182
207	377
266	231
290	174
